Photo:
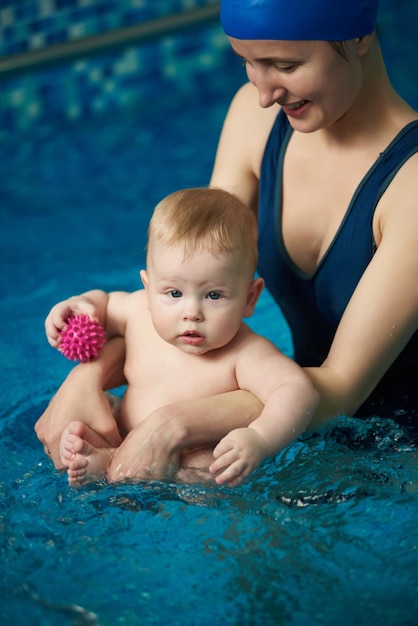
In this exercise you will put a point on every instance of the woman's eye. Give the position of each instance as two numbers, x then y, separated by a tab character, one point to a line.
174	293
287	68
214	295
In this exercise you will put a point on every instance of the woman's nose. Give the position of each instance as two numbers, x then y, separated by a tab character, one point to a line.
269	88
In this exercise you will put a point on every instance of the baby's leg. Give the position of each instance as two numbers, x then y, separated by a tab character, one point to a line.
84	453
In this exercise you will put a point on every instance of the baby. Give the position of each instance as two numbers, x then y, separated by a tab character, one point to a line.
185	338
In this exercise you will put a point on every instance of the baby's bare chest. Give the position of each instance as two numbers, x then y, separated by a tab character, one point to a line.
166	372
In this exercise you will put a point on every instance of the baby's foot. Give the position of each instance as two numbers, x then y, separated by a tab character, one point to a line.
83	453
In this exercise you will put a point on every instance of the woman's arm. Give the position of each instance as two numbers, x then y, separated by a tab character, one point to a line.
81	397
152	449
382	314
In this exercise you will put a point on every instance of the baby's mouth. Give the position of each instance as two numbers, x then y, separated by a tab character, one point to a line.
192	337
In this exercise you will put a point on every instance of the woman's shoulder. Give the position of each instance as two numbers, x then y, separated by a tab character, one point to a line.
250	124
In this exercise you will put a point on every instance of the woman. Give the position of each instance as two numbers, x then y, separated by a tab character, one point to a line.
322	147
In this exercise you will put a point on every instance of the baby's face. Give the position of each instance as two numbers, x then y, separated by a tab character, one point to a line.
196	303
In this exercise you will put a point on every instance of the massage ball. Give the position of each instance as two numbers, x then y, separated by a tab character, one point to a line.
83	339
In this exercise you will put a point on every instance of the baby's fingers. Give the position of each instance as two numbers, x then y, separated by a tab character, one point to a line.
53	327
56	320
233	475
69	308
222	462
224	446
228	466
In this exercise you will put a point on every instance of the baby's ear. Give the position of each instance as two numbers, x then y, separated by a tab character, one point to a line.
254	292
144	277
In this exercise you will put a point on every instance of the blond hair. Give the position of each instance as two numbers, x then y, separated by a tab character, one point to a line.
205	218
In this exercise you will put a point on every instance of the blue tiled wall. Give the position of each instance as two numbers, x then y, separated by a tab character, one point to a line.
112	79
106	80
33	24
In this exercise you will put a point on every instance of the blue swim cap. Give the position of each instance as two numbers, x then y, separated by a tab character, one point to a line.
325	20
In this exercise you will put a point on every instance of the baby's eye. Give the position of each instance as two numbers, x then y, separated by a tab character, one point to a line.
175	293
214	295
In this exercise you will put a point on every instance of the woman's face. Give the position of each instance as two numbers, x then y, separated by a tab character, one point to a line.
310	80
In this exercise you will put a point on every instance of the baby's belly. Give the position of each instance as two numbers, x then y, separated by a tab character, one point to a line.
164	388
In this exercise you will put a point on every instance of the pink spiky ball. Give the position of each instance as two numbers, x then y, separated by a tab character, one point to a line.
83	339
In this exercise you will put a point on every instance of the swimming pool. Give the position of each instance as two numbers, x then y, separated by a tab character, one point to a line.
325	533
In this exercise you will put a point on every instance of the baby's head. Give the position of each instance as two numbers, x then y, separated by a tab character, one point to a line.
201	259
206	219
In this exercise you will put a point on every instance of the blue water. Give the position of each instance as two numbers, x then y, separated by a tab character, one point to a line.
324	534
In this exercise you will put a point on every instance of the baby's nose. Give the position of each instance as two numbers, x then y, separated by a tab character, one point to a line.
192	311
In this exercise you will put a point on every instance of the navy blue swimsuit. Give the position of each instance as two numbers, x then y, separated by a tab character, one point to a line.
314	304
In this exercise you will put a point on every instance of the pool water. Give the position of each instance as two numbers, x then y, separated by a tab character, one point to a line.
325	533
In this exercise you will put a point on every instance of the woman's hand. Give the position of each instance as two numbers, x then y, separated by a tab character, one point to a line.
151	451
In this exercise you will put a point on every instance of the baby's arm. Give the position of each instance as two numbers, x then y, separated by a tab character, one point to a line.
111	310
92	303
290	401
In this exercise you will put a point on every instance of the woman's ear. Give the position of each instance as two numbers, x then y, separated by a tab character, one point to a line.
364	43
144	277
254	291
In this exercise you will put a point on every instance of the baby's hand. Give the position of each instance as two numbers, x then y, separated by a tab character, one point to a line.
56	319
237	455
